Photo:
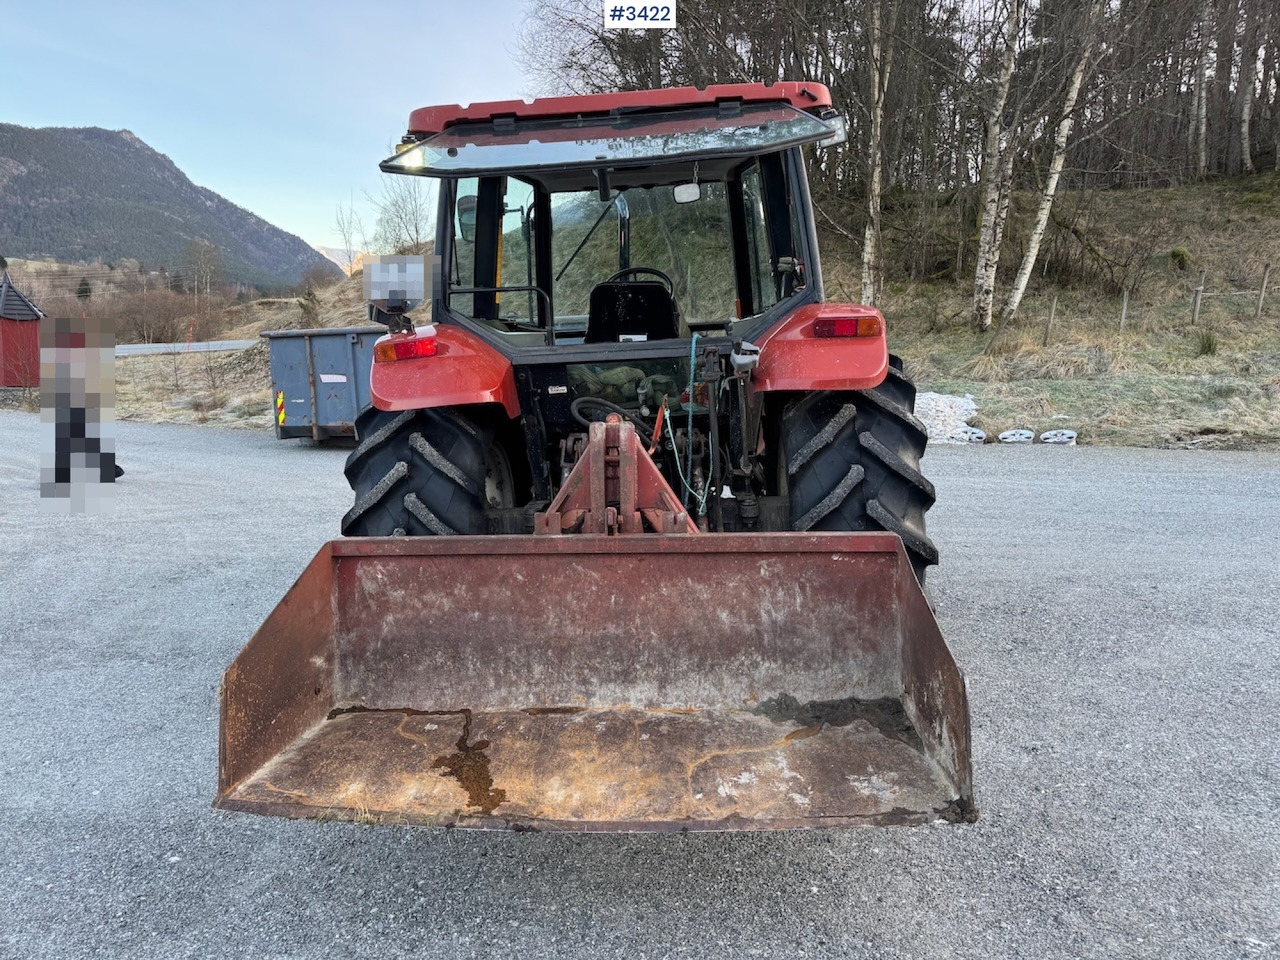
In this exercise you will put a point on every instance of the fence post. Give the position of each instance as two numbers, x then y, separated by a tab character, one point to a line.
1124	309
1262	294
1053	308
1196	295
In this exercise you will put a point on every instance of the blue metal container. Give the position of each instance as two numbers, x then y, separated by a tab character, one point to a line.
320	380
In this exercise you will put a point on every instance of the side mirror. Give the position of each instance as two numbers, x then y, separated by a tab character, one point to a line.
467	218
686	192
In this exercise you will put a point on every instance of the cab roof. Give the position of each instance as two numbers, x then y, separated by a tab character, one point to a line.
426	121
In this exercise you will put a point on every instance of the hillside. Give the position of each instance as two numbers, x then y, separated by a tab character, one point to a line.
80	194
1146	372
1158	380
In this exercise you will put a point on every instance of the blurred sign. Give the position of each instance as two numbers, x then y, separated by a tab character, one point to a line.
396	284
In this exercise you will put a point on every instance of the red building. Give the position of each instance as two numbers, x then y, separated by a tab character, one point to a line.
19	337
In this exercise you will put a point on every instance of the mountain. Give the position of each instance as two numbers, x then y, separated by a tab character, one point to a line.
336	255
349	261
76	194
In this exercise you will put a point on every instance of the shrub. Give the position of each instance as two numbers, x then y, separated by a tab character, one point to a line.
1180	258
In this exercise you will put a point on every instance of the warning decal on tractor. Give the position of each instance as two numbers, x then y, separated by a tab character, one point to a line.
280	407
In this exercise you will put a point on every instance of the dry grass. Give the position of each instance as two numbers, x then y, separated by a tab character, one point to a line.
1160	382
227	389
338	305
1151	385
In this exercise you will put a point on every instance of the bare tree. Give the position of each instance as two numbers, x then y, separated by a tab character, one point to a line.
958	106
406	218
1202	93
352	233
315	278
1245	85
205	264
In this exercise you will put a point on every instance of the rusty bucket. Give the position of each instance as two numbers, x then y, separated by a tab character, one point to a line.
662	682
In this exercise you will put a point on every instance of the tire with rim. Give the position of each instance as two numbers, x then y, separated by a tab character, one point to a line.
421	473
853	463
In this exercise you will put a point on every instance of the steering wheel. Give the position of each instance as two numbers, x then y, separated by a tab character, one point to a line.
651	271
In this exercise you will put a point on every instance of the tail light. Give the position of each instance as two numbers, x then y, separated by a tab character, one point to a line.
865	326
389	350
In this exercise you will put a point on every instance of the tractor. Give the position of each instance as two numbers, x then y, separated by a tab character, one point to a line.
637	538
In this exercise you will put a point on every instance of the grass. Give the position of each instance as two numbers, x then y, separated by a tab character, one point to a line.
1161	382
1206	343
228	389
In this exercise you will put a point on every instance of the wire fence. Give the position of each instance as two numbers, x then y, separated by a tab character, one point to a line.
1199	294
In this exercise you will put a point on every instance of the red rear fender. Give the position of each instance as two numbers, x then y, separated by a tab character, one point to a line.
462	370
794	356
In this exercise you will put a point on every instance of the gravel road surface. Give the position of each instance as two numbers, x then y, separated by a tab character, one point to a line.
1117	613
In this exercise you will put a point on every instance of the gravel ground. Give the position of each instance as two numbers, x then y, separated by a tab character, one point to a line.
1116	612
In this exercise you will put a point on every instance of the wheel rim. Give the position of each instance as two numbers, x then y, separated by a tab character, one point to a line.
498	485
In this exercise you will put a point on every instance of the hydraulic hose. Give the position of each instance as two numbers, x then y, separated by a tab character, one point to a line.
575	408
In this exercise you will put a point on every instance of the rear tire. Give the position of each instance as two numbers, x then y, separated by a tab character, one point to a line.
422	473
853	463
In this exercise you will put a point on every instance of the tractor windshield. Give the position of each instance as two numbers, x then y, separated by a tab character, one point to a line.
650	261
646	231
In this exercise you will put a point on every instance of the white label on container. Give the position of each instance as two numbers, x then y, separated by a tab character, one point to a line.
333	378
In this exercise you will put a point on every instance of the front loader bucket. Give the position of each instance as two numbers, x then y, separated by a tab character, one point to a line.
657	682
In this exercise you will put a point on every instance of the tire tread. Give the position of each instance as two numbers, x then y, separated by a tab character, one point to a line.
853	463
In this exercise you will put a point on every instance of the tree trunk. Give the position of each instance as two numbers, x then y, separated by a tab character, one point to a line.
992	180
881	63
1248	74
1222	141
986	276
1202	95
1055	170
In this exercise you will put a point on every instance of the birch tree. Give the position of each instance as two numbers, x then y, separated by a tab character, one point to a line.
995	173
944	98
205	265
880	62
1049	191
1248	75
1202	93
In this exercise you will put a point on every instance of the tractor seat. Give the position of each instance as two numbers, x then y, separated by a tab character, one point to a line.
639	310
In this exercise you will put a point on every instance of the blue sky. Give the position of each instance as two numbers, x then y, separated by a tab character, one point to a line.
284	109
